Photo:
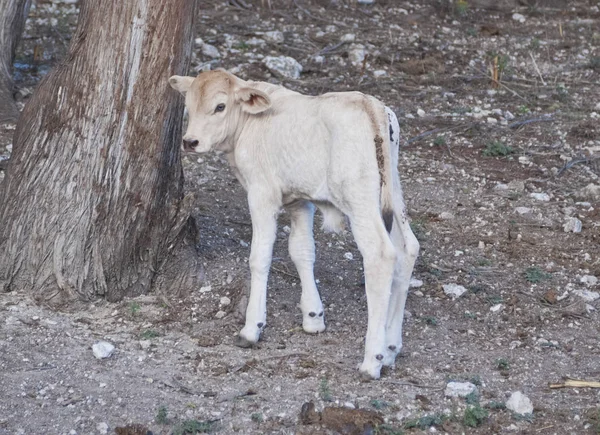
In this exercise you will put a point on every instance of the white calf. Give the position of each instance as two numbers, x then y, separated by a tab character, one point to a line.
338	151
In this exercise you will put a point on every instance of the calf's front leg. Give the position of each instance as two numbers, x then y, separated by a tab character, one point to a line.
263	212
302	252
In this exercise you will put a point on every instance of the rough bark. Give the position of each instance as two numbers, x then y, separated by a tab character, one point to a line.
13	14
93	195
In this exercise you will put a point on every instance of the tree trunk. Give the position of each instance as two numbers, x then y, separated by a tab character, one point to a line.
93	195
13	14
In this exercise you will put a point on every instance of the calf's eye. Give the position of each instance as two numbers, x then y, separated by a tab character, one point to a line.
220	108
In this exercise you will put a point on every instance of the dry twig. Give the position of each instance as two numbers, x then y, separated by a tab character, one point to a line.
576	383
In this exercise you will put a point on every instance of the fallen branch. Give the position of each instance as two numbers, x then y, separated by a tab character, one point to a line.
576	383
284	272
536	68
574	162
518	124
410	384
176	385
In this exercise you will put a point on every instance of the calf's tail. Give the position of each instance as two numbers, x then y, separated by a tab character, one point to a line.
386	147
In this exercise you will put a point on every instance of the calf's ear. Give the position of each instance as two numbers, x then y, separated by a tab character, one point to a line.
181	84
252	100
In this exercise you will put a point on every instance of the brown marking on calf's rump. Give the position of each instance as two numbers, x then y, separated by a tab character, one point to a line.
380	159
387	213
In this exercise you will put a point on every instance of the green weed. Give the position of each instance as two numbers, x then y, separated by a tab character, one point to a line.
502	364
475	415
161	415
325	391
439	141
497	149
134	308
193	427
378	404
492	404
149	334
426	421
534	275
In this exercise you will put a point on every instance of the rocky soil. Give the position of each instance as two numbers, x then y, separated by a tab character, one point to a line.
500	105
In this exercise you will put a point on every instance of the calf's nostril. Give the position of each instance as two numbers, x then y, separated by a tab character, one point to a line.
189	144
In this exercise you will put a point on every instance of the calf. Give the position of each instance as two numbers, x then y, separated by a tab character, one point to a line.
338	152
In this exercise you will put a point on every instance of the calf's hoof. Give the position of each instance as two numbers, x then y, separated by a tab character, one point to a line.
249	335
243	342
370	370
389	357
313	323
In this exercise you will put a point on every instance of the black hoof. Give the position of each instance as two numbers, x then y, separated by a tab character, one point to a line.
312	314
260	325
392	347
379	357
243	343
321	314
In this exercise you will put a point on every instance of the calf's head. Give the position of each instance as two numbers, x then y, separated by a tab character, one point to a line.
217	103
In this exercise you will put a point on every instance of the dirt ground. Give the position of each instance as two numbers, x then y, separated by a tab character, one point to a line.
492	172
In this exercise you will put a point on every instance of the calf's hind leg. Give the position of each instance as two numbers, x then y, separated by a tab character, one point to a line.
407	247
302	252
379	258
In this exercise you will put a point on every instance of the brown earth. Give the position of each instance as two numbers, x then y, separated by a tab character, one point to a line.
435	62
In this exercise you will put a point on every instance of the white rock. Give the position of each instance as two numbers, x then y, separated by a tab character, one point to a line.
589	193
255	42
420	112
454	290
102	428
210	51
589	280
459	389
199	42
587	295
220	314
540	196
348	37
509	116
275	37
349	256
366	2
283	66
496	308
379	73
225	301
523	210
492	120
516	185
103	349
415	283
519	403
573	225
356	54
446	215
205	289
518	17
145	344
